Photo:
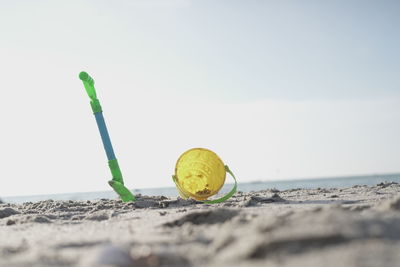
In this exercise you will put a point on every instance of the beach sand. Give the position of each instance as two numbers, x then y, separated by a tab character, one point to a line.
357	226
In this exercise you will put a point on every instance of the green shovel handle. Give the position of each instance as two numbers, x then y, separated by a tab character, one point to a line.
88	82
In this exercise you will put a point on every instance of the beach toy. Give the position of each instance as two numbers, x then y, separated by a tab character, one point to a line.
200	174
117	182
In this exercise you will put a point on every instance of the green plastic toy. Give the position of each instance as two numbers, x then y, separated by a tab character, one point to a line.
117	182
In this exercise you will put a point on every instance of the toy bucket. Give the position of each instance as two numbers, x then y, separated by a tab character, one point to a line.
200	174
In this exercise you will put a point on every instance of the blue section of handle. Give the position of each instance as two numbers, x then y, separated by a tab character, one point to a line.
105	137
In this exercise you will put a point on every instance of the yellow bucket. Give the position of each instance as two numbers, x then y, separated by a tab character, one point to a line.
200	174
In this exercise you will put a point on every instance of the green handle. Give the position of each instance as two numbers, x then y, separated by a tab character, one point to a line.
230	193
88	82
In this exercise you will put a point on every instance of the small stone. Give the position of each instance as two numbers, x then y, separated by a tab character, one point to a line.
10	222
6	212
163	204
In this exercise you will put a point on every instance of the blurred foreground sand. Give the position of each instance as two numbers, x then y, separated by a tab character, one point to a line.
357	226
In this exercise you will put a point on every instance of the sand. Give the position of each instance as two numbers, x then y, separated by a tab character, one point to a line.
357	226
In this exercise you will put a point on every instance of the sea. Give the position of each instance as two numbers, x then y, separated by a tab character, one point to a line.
336	182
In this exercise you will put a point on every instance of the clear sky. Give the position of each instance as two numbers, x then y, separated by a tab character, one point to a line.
279	89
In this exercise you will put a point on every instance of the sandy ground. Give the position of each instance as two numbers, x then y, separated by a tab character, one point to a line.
357	226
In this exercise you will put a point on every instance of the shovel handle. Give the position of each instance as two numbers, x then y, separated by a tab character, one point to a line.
88	82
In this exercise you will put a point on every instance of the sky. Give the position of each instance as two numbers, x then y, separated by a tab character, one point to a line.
278	89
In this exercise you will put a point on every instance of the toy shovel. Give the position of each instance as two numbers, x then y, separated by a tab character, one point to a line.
117	182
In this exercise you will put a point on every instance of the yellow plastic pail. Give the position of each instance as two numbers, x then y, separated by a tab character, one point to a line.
200	174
